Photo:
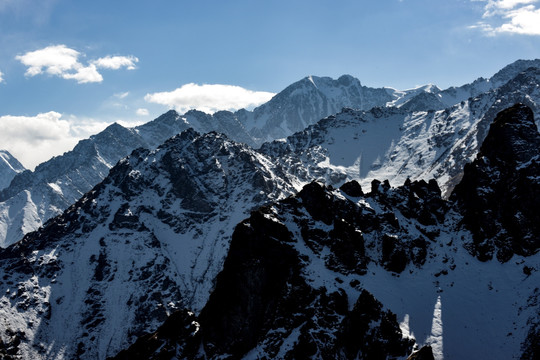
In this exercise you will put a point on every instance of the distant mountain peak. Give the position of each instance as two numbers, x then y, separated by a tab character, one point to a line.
9	167
509	71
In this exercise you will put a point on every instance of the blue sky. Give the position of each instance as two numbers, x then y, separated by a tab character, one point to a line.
69	68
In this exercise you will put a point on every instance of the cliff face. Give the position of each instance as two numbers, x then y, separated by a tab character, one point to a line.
500	191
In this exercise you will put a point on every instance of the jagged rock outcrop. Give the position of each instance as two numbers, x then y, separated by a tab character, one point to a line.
265	303
500	191
395	144
312	274
36	196
148	240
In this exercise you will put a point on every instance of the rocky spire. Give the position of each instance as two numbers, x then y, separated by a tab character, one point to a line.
499	194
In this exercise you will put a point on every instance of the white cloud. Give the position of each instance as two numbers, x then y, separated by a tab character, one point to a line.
116	62
209	98
84	75
35	139
53	60
61	61
1	77
522	21
510	16
506	4
142	112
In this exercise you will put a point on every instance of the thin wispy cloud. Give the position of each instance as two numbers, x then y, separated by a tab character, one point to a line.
64	62
510	17
209	97
37	10
122	95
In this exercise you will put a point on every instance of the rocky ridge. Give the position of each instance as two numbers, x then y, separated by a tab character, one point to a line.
500	191
146	241
306	275
9	167
395	144
34	197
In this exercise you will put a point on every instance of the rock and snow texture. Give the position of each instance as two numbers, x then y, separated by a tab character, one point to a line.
313	274
9	167
418	141
147	240
304	274
37	196
396	144
307	101
33	197
331	276
453	95
500	190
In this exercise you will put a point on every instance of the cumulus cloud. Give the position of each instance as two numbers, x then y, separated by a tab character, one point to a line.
511	17
142	112
54	60
35	139
209	98
84	75
1	77
116	62
64	62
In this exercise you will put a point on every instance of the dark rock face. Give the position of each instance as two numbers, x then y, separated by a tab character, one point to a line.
251	286
180	329
352	188
499	194
264	300
266	304
151	201
425	353
379	341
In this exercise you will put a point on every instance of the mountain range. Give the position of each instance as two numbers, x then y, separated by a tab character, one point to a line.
139	225
315	275
34	197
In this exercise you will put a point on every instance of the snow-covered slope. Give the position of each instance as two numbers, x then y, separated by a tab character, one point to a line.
35	196
307	101
312	274
454	95
314	257
9	167
147	240
299	105
402	151
395	144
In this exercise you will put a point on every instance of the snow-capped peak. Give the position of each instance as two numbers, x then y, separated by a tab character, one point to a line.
9	167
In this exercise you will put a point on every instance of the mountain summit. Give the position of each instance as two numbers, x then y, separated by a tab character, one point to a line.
9	168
